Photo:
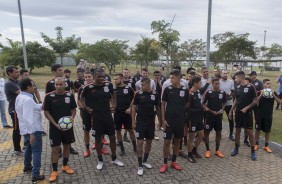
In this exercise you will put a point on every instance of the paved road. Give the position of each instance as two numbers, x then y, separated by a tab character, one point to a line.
239	169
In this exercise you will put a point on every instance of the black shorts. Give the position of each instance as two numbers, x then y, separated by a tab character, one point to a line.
196	125
122	118
86	120
58	137
103	127
244	120
174	130
264	124
213	122
146	131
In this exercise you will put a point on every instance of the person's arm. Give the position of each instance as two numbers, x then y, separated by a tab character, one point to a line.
278	79
205	107
113	101
255	100
38	97
230	115
163	107
204	89
133	116
276	98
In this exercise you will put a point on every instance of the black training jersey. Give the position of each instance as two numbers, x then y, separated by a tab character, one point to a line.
77	84
258	85
50	86
265	107
98	98
176	99
130	83
124	96
195	105
245	95
59	105
146	103
215	99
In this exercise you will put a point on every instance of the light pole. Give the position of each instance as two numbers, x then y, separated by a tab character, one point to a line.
264	38
209	34
23	40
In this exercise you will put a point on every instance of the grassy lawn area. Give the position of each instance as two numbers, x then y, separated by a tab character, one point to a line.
42	75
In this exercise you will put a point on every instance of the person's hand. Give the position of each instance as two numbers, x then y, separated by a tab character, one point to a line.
128	111
230	115
71	119
32	138
88	109
112	108
220	112
244	110
164	125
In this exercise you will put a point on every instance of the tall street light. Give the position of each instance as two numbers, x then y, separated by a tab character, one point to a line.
209	34
23	40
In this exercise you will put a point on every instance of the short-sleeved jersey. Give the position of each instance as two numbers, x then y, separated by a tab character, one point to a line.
77	84
98	98
244	95
258	85
176	99
195	108
265	107
124	96
50	86
215	99
59	105
162	79
146	103
130	83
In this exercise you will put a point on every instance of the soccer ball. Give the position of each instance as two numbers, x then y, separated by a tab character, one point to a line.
65	123
267	93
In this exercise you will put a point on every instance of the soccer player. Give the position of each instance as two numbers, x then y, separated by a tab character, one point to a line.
205	77
265	111
57	71
124	95
144	103
144	74
245	99
99	100
228	86
58	104
214	104
174	103
195	112
79	81
107	77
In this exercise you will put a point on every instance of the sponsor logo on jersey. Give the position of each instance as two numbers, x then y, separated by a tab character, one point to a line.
220	96
67	100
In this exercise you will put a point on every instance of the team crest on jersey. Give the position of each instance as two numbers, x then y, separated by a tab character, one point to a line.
220	96
67	100
182	93
246	90
153	97
93	132
52	95
106	89
91	86
193	129
125	91
68	94
207	127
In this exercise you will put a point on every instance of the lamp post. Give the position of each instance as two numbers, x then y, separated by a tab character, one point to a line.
208	34
22	32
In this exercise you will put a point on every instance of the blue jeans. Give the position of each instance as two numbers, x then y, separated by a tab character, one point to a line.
3	112
33	152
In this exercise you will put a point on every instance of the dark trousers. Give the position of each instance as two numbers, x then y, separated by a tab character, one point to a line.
16	132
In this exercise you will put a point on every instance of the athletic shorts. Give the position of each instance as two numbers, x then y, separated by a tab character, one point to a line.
58	137
195	125
264	124
213	122
121	118
244	120
174	130
145	131
103	127
86	120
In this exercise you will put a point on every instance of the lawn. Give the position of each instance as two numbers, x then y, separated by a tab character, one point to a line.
42	75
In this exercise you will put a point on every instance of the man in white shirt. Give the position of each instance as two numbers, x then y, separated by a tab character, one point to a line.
144	73
3	104
205	77
30	124
228	86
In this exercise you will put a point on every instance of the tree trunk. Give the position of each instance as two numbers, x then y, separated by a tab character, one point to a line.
167	65
3	70
62	60
30	70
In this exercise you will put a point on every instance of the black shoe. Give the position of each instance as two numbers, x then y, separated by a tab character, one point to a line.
73	151
247	143
27	170
196	154
126	139
182	154
44	133
231	137
38	178
8	126
191	159
18	153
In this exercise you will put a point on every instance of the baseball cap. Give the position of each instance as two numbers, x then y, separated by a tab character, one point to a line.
252	73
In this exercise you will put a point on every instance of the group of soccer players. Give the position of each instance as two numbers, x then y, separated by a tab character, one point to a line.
187	109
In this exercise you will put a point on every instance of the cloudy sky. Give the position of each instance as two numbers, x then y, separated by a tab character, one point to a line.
93	20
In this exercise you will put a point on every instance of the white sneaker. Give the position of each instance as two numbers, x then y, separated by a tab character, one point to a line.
140	171
156	137
118	163
100	165
147	165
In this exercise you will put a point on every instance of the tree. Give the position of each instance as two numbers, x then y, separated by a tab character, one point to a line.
61	45
145	52
167	37
192	50
274	50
